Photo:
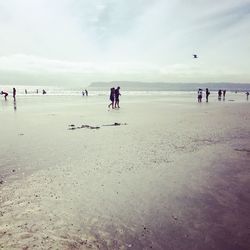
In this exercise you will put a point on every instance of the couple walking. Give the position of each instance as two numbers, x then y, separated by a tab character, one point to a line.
114	97
200	95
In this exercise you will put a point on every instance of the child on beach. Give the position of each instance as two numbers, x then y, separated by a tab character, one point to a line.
5	95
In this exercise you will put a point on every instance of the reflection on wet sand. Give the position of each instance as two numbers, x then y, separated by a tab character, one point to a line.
14	104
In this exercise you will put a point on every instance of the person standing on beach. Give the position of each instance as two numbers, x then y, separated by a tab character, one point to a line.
247	94
199	95
5	95
14	93
207	94
224	94
219	94
86	92
117	94
83	93
112	97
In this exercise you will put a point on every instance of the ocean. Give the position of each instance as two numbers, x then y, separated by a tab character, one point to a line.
136	90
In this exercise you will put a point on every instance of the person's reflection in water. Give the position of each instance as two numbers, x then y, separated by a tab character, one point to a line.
14	105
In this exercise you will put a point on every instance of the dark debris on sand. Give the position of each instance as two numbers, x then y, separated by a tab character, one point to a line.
115	124
73	127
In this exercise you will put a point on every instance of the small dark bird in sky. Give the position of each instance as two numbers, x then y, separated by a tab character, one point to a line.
195	56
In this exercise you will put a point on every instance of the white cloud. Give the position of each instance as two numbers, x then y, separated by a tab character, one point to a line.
32	64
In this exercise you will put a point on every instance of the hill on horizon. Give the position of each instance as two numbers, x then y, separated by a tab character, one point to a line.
161	86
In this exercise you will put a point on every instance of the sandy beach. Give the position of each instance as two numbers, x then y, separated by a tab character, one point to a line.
174	175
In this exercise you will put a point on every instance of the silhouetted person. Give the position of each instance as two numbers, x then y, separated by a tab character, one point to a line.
14	93
199	93
247	94
5	95
86	92
83	93
37	91
224	94
117	95
44	92
207	94
219	94
26	92
112	97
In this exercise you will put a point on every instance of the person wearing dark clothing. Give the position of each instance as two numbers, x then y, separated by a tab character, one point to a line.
219	94
44	92
14	93
5	95
247	93
117	94
224	94
112	97
86	92
207	94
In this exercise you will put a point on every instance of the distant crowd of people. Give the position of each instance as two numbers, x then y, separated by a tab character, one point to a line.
37	91
114	97
5	93
221	93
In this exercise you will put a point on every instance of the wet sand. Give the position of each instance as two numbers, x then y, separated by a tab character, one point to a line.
175	177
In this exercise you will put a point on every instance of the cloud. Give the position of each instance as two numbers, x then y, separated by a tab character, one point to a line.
39	70
142	39
32	64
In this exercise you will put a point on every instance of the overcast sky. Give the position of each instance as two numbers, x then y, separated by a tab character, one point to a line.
80	41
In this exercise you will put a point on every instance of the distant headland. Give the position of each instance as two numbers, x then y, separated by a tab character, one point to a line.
164	86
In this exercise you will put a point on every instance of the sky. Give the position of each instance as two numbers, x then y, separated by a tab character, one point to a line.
76	42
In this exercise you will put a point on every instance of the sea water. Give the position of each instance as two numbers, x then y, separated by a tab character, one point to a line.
100	95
